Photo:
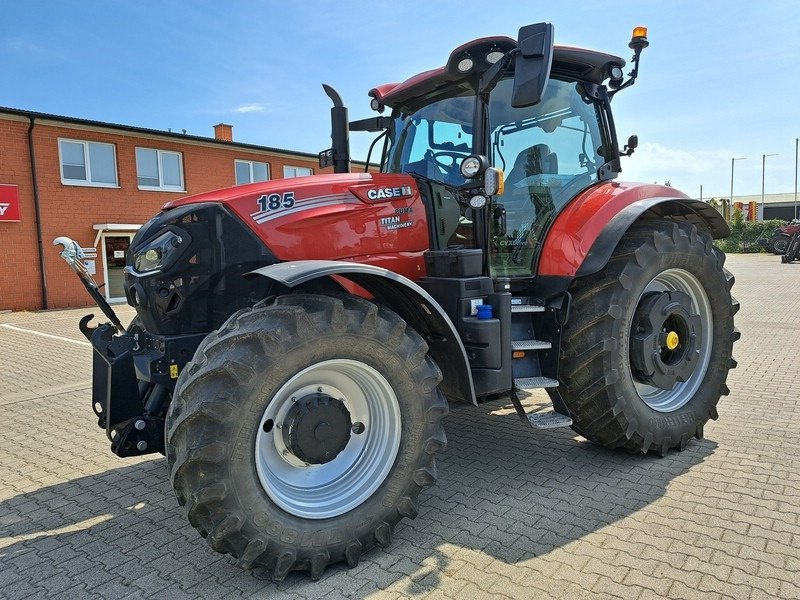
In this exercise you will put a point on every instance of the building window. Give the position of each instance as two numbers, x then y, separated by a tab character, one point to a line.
87	163
296	171
159	170
249	172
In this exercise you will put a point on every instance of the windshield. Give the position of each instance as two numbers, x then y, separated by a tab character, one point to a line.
432	141
549	152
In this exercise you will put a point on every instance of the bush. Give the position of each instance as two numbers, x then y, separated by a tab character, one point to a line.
745	234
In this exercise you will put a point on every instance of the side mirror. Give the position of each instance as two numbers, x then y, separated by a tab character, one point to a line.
532	67
633	143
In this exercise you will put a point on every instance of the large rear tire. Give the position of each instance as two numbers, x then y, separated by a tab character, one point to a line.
646	354
304	430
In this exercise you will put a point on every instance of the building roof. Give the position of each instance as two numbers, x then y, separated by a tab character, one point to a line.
782	198
159	132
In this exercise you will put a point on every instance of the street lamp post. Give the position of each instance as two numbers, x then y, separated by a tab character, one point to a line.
763	165
730	201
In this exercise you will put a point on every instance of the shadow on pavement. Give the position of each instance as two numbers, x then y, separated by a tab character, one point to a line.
506	491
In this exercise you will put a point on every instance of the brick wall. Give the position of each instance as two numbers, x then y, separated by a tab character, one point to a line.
19	269
73	210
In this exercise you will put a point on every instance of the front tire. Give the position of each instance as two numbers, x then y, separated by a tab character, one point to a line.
647	351
304	430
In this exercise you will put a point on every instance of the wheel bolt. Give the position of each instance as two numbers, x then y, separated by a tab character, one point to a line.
140	424
285	452
358	428
319	389
141	446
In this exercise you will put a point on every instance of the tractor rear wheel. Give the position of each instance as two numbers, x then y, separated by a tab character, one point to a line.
647	351
777	244
304	430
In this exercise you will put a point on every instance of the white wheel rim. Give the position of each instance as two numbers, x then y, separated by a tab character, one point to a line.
682	281
333	488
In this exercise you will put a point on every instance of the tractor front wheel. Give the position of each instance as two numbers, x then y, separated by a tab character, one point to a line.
647	351
304	430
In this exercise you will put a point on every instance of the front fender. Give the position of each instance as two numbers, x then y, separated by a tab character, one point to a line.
404	297
585	234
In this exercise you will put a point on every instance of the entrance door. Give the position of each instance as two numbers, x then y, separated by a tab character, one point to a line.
115	247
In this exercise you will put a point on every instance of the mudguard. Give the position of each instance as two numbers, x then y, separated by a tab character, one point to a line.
405	298
584	235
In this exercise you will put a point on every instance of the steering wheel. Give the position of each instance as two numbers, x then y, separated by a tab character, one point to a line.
451	167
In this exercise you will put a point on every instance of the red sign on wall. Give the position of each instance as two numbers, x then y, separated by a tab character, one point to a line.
9	203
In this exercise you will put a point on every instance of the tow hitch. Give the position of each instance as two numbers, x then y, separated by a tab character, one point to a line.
128	403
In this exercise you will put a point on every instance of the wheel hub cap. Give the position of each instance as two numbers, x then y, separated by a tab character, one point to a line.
317	428
665	339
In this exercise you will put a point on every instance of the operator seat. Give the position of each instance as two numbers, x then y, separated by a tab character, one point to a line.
537	160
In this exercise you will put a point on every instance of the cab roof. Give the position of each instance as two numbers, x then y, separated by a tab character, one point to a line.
568	61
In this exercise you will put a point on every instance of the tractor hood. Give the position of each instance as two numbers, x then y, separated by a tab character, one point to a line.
332	183
345	216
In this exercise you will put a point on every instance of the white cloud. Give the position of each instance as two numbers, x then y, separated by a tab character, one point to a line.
685	169
19	45
652	157
250	108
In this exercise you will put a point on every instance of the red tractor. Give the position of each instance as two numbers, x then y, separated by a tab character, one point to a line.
298	342
778	243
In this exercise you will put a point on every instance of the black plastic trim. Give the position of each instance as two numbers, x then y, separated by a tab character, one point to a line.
403	296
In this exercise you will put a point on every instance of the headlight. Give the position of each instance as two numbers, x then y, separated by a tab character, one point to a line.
473	166
158	253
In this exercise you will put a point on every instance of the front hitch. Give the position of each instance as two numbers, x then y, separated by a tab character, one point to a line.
74	255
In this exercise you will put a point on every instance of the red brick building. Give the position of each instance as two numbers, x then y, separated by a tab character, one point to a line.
97	183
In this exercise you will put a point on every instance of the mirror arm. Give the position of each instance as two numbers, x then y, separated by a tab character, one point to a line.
495	73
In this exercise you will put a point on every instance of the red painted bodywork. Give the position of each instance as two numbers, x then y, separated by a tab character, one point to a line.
333	218
579	224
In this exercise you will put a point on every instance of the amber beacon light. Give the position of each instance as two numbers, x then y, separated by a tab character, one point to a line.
639	38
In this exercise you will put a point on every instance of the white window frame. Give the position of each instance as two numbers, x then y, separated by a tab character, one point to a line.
87	163
162	187
249	164
285	176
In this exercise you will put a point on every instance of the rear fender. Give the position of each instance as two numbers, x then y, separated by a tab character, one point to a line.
404	297
585	234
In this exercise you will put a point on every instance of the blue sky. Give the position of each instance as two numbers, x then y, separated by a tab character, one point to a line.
720	79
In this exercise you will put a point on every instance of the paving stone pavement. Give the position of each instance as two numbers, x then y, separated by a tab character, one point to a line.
516	512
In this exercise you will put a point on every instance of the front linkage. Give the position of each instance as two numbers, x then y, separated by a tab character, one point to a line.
133	374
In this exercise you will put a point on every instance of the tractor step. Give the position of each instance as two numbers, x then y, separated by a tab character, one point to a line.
531	383
526	308
530	345
549	420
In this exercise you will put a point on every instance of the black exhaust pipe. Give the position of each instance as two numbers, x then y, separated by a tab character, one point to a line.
340	133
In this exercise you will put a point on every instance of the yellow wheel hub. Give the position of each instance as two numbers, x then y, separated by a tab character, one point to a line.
673	340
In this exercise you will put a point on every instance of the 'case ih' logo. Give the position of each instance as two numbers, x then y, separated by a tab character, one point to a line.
387	192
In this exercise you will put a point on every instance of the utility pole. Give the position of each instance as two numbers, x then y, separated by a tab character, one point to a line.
730	200
763	165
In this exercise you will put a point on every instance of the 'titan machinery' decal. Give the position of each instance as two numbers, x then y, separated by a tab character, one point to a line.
394	221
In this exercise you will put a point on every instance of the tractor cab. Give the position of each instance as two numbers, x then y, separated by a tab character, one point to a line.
535	115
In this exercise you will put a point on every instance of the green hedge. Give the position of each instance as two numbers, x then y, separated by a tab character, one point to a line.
745	234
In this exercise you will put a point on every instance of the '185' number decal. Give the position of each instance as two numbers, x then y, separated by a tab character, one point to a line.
276	201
